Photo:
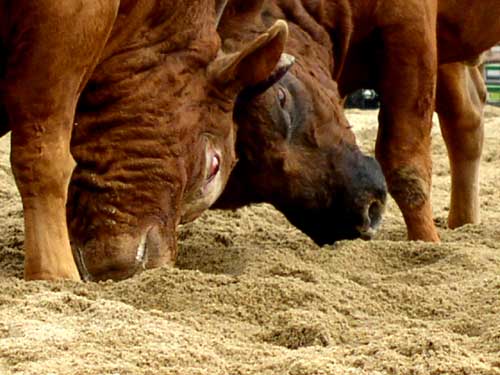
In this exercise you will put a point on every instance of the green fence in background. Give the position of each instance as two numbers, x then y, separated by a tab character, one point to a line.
492	79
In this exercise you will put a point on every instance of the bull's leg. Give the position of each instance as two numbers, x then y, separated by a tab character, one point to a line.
42	165
407	90
460	99
54	47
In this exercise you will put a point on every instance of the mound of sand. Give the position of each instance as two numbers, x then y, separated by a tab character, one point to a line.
252	295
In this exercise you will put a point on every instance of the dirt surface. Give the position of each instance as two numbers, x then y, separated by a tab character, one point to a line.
252	295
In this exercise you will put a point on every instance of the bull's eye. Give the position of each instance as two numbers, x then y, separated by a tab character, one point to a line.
282	97
213	167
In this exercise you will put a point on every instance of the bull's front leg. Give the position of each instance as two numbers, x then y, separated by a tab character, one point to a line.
407	90
54	48
460	99
42	165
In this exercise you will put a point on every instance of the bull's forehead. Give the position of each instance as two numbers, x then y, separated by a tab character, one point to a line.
316	112
175	91
152	126
321	89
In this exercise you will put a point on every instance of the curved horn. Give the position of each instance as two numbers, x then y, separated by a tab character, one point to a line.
220	5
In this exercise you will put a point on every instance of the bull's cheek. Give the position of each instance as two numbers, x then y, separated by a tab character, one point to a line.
203	199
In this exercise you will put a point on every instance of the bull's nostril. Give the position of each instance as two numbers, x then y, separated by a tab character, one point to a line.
372	217
375	211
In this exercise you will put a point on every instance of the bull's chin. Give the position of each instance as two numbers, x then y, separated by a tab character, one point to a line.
124	259
329	237
115	275
325	229
110	273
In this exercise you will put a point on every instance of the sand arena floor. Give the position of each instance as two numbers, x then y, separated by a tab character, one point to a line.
252	295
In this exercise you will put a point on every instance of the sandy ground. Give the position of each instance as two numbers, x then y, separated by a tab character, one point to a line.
252	295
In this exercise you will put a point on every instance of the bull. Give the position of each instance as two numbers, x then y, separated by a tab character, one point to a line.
149	95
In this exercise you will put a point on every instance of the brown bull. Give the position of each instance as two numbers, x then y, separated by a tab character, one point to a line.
394	47
295	147
150	96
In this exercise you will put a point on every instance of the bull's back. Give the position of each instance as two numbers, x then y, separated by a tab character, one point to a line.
466	28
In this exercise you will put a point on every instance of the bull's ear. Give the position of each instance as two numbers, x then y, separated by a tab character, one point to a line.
284	64
255	63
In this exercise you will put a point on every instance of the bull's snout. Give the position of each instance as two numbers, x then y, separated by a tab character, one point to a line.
354	203
369	193
122	256
371	216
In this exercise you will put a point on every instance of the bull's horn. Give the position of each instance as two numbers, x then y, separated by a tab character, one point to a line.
220	5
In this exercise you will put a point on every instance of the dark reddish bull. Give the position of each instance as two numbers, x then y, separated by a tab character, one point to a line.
295	147
154	136
394	47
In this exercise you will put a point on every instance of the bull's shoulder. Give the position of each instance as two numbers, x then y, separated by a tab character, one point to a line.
29	22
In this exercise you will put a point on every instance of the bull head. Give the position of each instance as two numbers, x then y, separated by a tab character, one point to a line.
161	152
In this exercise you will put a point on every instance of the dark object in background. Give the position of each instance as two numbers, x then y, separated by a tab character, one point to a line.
363	98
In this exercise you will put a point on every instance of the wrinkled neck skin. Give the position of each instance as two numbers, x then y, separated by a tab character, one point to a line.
138	155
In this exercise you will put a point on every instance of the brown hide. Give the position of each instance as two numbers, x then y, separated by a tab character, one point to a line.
395	47
294	144
150	95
